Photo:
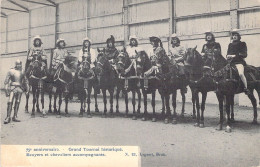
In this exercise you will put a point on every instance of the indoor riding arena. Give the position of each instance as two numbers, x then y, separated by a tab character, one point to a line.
198	132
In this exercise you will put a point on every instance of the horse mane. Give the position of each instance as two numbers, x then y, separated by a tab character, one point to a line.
148	63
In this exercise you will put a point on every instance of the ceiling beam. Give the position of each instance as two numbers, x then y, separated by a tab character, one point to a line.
17	4
38	3
14	9
50	1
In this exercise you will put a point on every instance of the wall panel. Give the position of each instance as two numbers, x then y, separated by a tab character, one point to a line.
72	10
248	3
72	26
249	19
18	35
103	7
43	30
105	21
18	21
101	35
17	46
42	16
201	24
146	30
74	38
3	24
148	12
3	37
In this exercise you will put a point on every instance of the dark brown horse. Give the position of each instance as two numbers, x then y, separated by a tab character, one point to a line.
199	82
127	81
106	79
229	84
85	81
149	82
178	82
37	74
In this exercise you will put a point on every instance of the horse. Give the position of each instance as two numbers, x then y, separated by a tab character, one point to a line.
149	84
106	79
178	82
229	83
86	80
62	81
127	81
198	83
37	74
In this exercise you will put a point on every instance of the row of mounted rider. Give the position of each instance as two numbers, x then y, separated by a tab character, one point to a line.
134	69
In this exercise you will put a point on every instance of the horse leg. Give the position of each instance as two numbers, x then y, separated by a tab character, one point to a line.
193	104
95	97
105	102
232	108
88	101
229	99
54	103
254	103
221	109
133	103
126	103
66	105
168	112
34	101
60	101
111	92
139	101
27	100
50	97
174	96
37	101
153	105
203	102
145	107
163	105
196	94
117	97
42	101
81	108
183	91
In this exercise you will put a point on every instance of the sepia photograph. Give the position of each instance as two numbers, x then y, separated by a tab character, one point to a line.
130	83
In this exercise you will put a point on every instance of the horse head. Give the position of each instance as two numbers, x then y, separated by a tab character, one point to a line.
193	58
122	61
102	63
84	68
143	62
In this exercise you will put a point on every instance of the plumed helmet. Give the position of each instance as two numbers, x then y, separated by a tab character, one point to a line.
174	36
37	37
18	63
59	40
87	39
208	32
112	39
235	31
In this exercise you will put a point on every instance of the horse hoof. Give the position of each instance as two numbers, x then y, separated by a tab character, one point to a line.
166	121
38	110
67	115
44	116
80	115
193	116
154	120
89	116
126	115
196	124
201	125
182	115
219	127
228	129
117	111
96	110
232	120
134	118
254	122
58	116
26	110
32	115
143	119
174	121
104	115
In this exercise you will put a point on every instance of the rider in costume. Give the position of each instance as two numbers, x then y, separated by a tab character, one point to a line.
132	49
110	51
15	84
87	53
237	52
210	49
177	52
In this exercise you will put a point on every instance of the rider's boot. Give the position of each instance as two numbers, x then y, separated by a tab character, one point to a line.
16	108
9	110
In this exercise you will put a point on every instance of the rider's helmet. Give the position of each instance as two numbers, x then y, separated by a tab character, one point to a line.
209	33
174	36
233	32
133	37
37	37
156	41
112	40
60	40
18	64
